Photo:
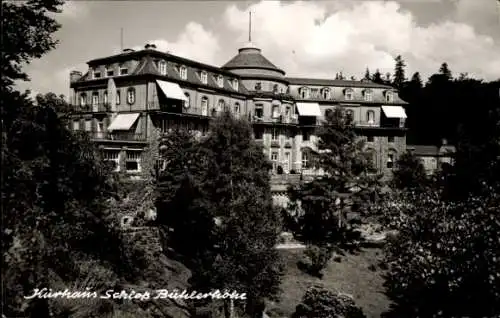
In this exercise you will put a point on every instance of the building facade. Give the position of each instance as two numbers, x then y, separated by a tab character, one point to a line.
122	100
434	158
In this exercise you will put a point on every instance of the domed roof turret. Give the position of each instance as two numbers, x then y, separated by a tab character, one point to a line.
250	58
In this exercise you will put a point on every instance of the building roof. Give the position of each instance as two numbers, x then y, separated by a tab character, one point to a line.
334	82
251	57
431	151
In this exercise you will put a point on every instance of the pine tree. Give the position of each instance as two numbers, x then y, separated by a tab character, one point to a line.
399	72
377	77
416	80
444	70
348	185
367	74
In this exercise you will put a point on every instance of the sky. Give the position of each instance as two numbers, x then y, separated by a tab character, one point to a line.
304	38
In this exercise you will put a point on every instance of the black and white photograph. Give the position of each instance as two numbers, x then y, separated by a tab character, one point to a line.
250	159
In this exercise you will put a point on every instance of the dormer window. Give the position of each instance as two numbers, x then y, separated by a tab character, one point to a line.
258	86
304	92
220	81
389	96
275	88
235	84
368	95
349	94
123	70
183	72
162	67
204	77
325	93
96	74
109	71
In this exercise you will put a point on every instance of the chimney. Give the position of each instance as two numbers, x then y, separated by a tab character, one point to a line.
127	50
74	76
150	46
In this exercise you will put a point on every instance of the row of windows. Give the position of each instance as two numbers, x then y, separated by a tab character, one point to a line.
109	72
325	93
182	70
95	100
370	115
132	160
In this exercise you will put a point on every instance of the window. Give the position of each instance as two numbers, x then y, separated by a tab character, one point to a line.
370	117
390	161
258	86
113	156
274	159
105	98
188	101
390	139
133	161
183	72
97	74
368	95
204	77
131	96
259	111
275	134
286	162
350	114
275	88
349	94
204	106
118	97
372	156
326	93
83	99
100	129
220	81
389	97
109	71
123	70
88	125
305	160
305	134
276	111
162	67
304	92
220	105
328	113
288	112
237	108
235	84
76	124
95	101
258	133
370	138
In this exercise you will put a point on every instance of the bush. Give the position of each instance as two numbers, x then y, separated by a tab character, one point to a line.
320	302
293	171
445	259
317	259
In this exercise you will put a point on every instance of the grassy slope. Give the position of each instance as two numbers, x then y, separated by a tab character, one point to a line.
351	276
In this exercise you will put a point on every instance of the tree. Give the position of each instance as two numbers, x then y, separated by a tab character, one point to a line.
222	183
367	74
399	72
409	173
444	261
349	183
445	71
320	302
416	80
377	77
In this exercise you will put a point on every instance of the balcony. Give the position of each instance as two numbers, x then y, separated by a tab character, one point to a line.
96	108
277	120
117	136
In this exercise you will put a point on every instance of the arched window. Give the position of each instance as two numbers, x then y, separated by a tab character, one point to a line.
325	93
204	106
370	117
130	95
237	108
95	98
83	99
276	111
204	77
105	98
348	94
391	158
162	67
220	105
350	114
372	156
183	72
368	96
118	97
328	113
389	96
304	92
187	102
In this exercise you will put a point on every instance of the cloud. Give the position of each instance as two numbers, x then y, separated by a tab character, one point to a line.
74	9
194	42
350	36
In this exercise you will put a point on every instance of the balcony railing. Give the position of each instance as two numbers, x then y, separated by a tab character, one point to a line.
96	108
120	136
279	120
